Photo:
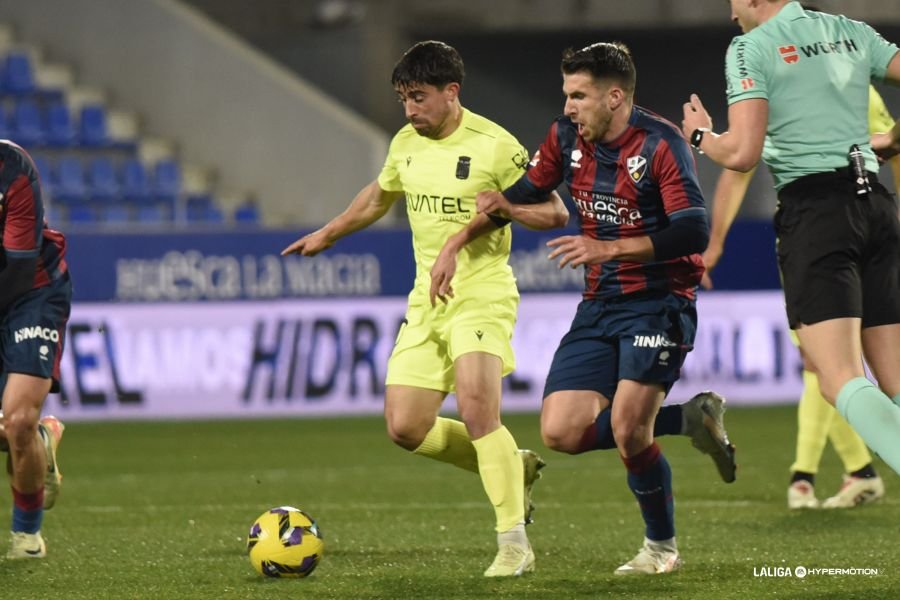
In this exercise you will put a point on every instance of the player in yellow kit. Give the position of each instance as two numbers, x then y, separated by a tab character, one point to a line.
440	160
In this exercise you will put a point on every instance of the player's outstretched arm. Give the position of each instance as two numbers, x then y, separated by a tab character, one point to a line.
549	214
369	205
727	199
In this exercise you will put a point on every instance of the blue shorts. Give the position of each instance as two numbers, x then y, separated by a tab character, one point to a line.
643	338
32	332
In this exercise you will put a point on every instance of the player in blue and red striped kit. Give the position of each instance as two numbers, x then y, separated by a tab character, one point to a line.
35	299
644	225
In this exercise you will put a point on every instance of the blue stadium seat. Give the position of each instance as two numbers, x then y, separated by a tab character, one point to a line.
80	213
116	213
60	128
201	208
4	123
71	187
18	74
136	182
46	175
92	126
247	214
27	126
103	181
167	181
154	214
54	215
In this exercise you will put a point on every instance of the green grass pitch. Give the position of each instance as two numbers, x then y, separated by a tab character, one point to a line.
161	511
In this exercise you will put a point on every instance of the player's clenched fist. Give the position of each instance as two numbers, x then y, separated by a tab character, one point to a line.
492	203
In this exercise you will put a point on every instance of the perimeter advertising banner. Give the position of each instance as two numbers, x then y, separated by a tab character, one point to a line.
217	266
327	356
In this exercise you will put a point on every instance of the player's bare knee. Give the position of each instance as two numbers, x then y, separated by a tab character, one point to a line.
406	433
20	428
632	438
560	439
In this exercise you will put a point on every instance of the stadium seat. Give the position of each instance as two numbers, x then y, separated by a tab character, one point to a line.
152	214
27	127
60	128
4	123
18	74
167	181
46	175
92	126
70	183
104	185
247	214
80	213
136	182
116	213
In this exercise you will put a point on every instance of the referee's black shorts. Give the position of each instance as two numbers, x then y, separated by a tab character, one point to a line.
839	253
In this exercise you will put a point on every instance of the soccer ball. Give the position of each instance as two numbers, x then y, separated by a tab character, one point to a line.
285	542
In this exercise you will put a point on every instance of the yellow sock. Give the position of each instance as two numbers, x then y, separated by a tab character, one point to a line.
448	441
849	446
814	417
502	476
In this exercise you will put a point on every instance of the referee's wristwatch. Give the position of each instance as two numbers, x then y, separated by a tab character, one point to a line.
697	138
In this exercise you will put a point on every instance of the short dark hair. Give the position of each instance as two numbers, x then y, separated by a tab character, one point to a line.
431	63
603	60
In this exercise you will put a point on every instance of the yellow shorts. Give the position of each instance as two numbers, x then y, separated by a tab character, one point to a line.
432	338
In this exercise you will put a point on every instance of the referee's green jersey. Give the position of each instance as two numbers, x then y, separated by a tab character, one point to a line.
440	179
814	69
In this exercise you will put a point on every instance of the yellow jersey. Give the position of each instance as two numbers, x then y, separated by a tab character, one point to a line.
440	179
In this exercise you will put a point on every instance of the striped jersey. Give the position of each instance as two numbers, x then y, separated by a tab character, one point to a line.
23	229
632	186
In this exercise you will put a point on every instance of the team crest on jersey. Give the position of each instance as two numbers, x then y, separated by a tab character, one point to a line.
789	53
462	167
637	166
520	159
576	159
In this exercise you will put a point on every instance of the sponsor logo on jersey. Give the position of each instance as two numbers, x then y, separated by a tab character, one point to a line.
44	351
30	333
653	341
748	83
576	159
462	167
637	166
535	159
606	209
445	205
836	47
788	54
740	60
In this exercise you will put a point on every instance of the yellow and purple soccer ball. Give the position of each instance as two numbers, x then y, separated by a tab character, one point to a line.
285	542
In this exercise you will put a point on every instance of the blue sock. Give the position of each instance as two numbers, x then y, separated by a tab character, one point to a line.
28	511
650	480
874	417
599	436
